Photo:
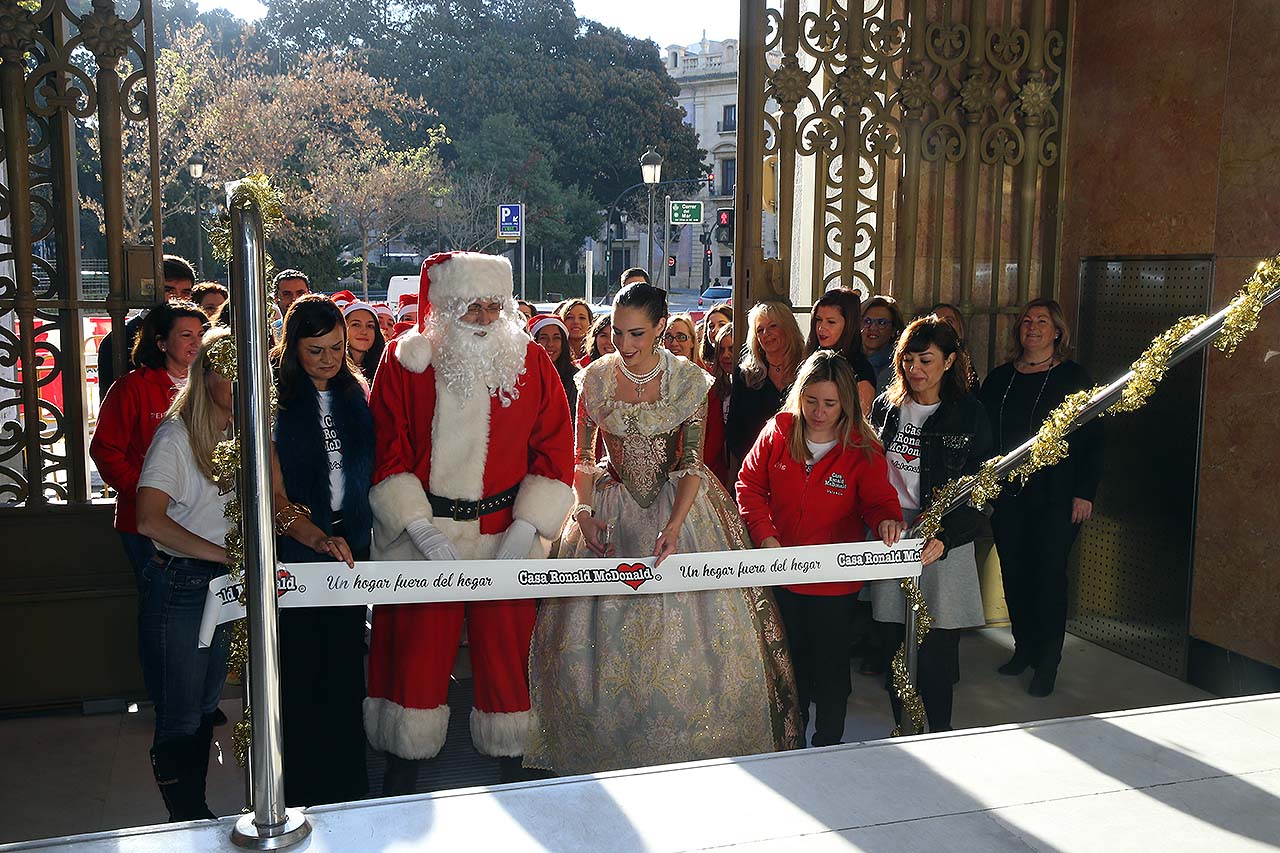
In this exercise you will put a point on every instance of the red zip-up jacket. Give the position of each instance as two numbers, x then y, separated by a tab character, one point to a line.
845	493
133	409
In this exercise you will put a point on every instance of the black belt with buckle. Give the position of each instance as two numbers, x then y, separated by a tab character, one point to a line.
472	510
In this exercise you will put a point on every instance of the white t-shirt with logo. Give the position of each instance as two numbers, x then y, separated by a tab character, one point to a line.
817	450
332	447
903	453
195	502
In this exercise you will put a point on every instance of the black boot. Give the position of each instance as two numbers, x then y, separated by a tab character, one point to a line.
401	776
1042	683
1017	664
179	767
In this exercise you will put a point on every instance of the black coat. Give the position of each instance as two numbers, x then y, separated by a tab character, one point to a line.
954	441
303	462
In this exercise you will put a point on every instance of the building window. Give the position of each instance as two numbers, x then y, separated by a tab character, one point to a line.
728	175
726	266
730	118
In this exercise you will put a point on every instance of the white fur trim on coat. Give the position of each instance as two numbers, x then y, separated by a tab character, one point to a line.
470	276
459	443
406	732
414	351
544	503
499	735
396	501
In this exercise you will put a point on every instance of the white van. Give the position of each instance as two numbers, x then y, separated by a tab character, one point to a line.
401	284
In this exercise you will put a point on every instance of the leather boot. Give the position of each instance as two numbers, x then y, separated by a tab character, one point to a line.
401	776
1017	664
179	774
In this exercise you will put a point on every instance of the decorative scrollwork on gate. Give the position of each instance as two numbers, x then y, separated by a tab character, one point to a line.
911	134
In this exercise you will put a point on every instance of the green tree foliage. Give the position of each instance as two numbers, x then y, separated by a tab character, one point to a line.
559	108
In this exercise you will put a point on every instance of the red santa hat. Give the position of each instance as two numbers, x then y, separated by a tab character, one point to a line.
382	309
343	298
408	303
469	276
541	321
357	305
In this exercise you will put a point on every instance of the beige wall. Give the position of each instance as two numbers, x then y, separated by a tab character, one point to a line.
1173	148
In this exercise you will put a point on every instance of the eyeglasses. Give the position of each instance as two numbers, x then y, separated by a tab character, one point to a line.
882	322
669	337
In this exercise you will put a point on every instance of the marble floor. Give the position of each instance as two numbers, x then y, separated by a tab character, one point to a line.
65	774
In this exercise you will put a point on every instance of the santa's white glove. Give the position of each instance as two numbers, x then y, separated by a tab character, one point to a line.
516	542
433	544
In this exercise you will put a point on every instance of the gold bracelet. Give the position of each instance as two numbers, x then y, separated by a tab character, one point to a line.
289	514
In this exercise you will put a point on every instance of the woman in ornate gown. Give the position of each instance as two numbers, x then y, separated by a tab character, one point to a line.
631	681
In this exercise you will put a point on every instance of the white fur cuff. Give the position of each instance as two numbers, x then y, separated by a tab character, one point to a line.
406	732
544	503
414	351
498	734
398	500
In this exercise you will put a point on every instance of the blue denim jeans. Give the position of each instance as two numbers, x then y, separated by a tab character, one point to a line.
183	680
139	549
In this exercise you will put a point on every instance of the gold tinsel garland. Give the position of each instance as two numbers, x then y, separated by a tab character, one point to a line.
1051	447
226	455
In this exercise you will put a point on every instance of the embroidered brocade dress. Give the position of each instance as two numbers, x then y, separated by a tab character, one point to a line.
633	681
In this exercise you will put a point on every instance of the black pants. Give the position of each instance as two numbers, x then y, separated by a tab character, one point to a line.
937	671
819	631
322	700
1034	543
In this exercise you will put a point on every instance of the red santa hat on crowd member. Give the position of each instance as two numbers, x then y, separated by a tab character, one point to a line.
382	309
400	328
408	304
343	298
541	321
358	305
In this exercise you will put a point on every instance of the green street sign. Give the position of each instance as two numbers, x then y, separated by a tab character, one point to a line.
684	213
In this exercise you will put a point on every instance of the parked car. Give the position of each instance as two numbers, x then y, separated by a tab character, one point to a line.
715	293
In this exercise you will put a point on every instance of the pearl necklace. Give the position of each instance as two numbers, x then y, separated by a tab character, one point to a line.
640	381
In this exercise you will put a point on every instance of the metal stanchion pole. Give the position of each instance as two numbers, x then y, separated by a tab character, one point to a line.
270	826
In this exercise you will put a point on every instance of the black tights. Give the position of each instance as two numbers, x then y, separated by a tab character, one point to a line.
937	671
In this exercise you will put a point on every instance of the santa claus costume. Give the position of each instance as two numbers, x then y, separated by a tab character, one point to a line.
473	459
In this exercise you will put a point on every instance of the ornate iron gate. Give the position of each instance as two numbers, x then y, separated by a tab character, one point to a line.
919	149
62	68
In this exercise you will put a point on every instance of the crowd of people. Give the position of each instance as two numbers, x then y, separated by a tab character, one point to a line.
462	424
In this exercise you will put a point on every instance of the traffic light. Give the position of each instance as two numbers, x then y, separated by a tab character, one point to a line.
671	263
724	225
709	254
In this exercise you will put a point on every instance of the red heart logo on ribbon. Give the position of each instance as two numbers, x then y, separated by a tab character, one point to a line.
632	569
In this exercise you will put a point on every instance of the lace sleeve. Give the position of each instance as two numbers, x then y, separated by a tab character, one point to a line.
584	455
692	435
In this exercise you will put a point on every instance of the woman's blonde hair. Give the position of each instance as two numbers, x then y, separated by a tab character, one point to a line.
194	406
851	427
1062	335
755	368
692	329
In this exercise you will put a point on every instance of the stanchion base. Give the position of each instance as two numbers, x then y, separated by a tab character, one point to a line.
246	834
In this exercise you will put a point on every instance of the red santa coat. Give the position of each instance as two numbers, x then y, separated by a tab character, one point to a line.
431	439
844	492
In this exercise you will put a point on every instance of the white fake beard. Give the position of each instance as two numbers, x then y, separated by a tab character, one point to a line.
469	362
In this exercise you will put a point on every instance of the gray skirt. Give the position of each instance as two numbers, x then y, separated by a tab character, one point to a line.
950	588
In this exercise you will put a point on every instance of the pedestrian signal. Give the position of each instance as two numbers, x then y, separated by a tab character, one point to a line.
724	225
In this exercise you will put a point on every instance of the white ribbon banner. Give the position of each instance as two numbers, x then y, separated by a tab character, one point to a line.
420	581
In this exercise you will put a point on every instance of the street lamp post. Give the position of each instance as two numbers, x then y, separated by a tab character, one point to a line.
438	201
195	168
651	172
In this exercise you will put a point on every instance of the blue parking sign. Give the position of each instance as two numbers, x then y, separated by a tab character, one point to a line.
510	221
